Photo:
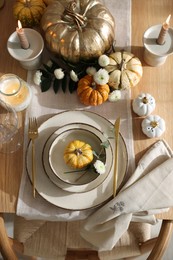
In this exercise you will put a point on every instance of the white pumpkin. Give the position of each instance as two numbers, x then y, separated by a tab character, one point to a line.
125	70
153	126
144	104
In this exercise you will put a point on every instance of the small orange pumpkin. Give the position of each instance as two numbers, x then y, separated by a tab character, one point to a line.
91	93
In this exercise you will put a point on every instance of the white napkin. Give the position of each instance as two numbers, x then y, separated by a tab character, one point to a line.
147	192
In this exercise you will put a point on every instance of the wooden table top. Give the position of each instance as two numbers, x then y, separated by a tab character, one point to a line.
156	80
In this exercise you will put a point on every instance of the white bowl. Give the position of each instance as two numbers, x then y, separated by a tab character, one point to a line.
56	167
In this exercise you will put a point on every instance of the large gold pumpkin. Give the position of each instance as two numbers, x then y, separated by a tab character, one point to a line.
78	154
78	30
29	12
125	70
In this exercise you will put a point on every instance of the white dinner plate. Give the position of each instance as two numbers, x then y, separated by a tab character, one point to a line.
55	166
69	200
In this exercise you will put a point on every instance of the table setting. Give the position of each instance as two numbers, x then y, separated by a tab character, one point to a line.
50	189
43	108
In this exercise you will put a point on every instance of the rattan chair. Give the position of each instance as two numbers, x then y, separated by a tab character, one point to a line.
38	235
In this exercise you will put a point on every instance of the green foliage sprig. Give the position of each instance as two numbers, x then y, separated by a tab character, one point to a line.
49	80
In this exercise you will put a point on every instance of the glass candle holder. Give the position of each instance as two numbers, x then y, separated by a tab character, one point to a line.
15	92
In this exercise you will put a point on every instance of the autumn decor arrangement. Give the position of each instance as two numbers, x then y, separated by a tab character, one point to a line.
80	37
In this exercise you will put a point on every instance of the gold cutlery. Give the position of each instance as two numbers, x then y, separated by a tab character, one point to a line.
116	129
33	134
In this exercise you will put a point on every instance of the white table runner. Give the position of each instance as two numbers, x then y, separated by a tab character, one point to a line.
45	104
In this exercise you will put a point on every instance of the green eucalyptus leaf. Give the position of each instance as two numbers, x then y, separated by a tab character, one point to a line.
45	84
65	83
45	74
105	144
57	84
72	86
49	69
95	154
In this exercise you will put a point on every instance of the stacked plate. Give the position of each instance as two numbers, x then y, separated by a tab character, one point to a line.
59	172
59	184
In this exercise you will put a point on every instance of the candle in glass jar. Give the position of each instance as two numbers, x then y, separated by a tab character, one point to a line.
163	31
15	91
22	37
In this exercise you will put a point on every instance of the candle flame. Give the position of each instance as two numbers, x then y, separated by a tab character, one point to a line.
19	24
168	19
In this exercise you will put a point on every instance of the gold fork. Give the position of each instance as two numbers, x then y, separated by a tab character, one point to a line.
33	134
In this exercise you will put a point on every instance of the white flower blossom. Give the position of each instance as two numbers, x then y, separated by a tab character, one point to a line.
103	60
100	167
114	95
49	63
73	76
101	77
59	73
91	71
37	77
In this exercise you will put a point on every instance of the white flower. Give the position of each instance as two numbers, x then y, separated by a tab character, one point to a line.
37	77
100	167
91	71
103	60
114	95
101	77
49	63
59	73
73	76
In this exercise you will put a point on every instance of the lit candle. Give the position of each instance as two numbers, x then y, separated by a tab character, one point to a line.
163	31
22	37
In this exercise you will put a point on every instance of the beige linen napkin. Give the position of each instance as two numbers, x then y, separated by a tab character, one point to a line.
148	191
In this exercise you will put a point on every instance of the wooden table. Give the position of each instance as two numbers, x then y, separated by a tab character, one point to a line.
156	81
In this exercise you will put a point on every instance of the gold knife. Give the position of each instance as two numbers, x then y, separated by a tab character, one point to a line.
116	129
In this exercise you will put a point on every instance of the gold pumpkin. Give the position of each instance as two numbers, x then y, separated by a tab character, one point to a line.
125	70
29	12
78	154
91	93
78	30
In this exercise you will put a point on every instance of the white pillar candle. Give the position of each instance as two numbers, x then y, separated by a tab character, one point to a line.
22	37
163	31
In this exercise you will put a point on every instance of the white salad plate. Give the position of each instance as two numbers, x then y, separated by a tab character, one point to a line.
56	168
72	200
